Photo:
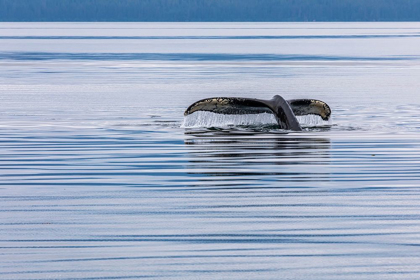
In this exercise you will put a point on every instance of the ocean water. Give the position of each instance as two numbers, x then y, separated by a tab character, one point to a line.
102	178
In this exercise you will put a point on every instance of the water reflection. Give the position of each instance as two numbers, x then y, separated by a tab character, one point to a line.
247	157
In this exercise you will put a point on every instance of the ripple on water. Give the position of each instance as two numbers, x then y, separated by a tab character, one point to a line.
99	181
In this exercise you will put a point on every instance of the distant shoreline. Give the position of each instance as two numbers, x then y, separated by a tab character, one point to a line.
210	11
103	21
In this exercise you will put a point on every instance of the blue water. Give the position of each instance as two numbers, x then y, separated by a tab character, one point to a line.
100	178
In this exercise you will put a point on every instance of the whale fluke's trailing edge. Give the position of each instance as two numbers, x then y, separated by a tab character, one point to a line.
284	111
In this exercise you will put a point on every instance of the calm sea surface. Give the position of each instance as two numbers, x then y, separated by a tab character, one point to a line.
100	179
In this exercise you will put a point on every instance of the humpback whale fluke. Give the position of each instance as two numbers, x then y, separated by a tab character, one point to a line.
284	111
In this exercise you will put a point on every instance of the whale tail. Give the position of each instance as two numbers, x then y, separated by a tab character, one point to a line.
284	111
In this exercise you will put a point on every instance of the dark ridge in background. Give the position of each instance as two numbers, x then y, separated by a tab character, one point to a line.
210	10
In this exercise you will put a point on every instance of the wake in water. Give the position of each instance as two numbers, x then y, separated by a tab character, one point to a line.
262	121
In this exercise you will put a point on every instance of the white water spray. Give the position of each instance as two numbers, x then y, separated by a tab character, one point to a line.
209	119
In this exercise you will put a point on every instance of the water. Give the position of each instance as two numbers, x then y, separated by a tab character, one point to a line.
99	180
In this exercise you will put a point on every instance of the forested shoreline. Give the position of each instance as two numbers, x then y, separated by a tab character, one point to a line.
209	10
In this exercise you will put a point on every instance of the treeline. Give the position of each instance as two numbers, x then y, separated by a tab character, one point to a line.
209	10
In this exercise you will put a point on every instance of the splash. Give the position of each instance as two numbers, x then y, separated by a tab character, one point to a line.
313	121
208	119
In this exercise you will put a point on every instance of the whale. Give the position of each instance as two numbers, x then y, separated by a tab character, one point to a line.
285	111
